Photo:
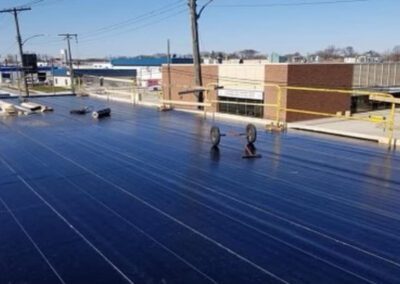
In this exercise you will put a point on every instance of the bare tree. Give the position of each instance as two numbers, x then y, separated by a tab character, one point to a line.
248	53
349	51
395	55
329	53
372	53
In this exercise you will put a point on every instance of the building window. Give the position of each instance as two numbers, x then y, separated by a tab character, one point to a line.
241	109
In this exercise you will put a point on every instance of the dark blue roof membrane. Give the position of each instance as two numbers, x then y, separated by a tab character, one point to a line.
139	197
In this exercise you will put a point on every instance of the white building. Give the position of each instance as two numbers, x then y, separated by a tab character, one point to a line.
62	81
61	78
42	64
149	76
94	65
350	60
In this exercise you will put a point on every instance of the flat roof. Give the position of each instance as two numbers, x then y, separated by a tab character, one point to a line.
148	61
141	198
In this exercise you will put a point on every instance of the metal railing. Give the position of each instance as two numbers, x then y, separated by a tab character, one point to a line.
128	89
124	89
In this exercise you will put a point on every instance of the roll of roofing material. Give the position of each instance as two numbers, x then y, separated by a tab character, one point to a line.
81	111
23	110
101	113
31	106
7	108
36	107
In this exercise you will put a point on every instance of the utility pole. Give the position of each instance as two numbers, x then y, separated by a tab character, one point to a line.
15	12
18	77
196	48
52	73
169	69
71	69
195	16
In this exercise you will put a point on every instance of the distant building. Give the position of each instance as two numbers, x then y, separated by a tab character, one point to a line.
350	60
246	61
368	57
276	58
42	64
10	75
148	69
93	65
259	84
209	60
296	58
313	58
61	76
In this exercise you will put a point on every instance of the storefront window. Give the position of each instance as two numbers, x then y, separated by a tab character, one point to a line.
242	108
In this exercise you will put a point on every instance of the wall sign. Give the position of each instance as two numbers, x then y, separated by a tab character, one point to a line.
241	94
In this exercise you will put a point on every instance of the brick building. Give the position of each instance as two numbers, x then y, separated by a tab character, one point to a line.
255	84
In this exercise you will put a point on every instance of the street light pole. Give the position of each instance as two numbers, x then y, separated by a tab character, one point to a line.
31	37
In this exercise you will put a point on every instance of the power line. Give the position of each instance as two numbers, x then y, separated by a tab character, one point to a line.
44	3
314	3
97	34
135	28
160	11
32	3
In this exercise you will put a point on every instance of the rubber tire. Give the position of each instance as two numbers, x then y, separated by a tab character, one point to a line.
215	136
251	133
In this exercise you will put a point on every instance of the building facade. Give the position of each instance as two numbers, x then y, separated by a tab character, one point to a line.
258	84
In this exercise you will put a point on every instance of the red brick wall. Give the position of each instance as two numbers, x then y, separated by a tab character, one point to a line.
274	74
334	76
182	78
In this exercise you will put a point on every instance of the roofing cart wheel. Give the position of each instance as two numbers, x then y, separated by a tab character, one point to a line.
251	133
215	136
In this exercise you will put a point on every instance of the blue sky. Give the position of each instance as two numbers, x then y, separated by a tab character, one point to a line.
365	25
